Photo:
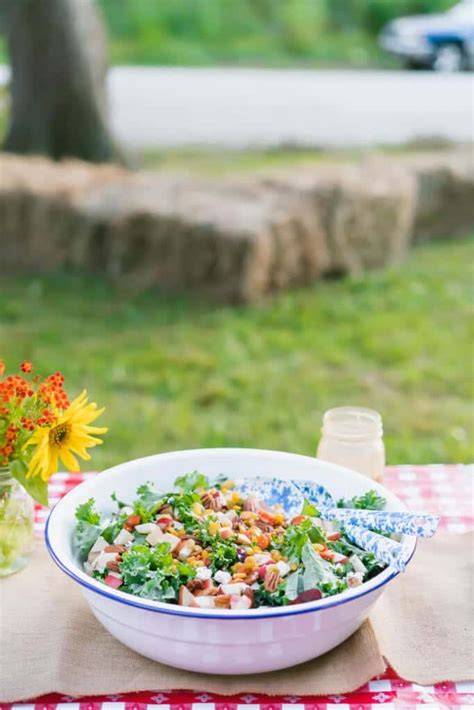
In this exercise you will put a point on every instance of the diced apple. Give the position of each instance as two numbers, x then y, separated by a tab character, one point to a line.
123	538
145	528
185	598
205	602
340	559
164	521
185	549
334	536
238	602
261	558
99	544
234	589
173	540
113	580
156	536
226	533
100	563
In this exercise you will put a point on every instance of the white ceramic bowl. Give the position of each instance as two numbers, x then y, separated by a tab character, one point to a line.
213	640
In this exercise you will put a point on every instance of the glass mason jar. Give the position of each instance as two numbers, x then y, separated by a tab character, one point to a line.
16	525
353	437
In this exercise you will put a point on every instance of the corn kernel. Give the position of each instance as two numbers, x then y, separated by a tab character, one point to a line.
197	508
214	527
318	547
228	484
276	555
235	497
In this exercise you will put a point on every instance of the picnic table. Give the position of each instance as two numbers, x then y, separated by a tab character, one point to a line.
443	489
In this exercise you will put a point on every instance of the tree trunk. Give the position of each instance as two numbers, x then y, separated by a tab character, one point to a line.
58	62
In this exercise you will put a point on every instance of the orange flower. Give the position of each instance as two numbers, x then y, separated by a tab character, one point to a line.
2	367
26	366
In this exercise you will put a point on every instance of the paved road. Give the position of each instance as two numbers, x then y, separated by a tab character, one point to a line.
242	107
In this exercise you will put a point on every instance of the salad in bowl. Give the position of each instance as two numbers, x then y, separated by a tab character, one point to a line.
203	575
211	546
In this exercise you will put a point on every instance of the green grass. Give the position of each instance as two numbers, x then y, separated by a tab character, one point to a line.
217	162
177	373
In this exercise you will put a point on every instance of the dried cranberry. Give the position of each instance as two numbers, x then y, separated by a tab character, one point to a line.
310	595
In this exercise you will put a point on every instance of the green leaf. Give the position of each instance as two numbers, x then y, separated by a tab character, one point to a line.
291	588
309	509
369	501
85	536
36	487
192	482
148	495
316	570
87	513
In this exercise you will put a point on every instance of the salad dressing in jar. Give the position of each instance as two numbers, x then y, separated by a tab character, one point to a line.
353	437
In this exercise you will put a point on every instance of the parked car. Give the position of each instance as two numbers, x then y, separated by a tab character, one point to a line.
443	42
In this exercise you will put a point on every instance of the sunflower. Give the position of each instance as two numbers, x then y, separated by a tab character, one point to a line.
70	434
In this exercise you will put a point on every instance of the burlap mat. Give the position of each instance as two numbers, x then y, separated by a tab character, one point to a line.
422	625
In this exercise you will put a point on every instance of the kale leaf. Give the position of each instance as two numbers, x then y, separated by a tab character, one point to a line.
369	501
192	482
87	529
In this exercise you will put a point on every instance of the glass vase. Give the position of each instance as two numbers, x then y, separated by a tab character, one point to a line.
16	525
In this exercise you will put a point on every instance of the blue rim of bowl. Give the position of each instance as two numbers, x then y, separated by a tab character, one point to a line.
278	612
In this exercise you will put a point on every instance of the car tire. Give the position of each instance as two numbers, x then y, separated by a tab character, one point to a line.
415	65
449	58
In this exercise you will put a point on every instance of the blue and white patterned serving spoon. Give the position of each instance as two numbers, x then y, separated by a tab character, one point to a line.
291	496
273	491
357	524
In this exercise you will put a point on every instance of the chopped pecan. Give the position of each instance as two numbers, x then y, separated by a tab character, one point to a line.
222	601
195	585
213	499
115	548
113	565
166	508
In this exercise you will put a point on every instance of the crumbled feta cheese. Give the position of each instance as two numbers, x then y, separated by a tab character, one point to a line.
222	577
145	528
203	573
283	568
123	538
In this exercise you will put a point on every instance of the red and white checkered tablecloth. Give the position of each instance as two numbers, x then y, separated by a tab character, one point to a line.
446	490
